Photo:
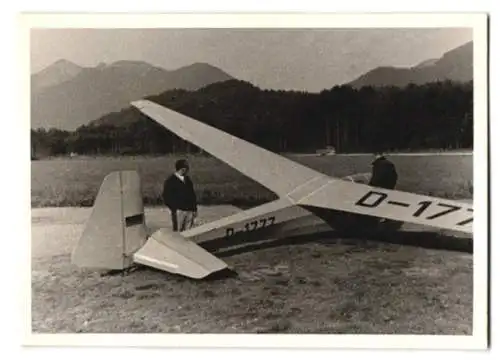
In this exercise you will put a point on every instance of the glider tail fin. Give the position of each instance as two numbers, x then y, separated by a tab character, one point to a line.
116	228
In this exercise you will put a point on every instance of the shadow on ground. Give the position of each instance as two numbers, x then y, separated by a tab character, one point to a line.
428	240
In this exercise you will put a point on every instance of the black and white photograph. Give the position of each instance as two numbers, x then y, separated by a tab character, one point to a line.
307	180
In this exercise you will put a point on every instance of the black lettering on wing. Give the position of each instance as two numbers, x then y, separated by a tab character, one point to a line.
449	209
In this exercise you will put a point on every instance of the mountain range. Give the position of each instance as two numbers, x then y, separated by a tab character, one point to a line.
57	73
455	65
65	95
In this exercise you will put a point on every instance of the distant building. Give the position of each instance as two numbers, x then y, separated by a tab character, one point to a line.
329	150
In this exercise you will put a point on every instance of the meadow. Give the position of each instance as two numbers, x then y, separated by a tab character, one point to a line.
75	181
321	286
327	284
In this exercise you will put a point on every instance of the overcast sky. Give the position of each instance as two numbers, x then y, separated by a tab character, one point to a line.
279	59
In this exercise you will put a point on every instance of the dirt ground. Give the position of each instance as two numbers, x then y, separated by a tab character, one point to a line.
305	285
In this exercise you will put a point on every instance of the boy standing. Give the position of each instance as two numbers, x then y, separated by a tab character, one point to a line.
179	196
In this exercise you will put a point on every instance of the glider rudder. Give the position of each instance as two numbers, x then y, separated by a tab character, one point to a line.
116	228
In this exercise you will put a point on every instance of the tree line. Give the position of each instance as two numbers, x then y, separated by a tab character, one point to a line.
417	117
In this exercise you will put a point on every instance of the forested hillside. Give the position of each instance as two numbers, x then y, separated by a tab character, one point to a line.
429	116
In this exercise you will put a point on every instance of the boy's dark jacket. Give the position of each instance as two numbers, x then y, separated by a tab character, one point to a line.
178	195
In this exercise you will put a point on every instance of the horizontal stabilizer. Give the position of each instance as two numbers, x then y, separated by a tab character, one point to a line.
171	252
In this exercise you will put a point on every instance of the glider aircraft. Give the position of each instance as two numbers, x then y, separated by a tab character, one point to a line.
116	236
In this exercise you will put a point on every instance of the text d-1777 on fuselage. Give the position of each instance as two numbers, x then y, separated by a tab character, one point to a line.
251	226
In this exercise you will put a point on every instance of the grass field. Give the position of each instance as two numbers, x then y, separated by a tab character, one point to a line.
75	182
306	285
